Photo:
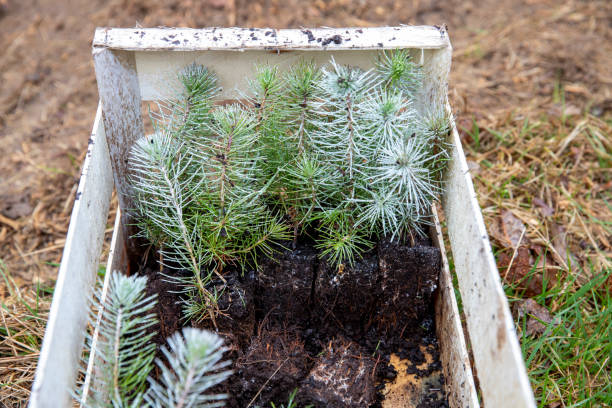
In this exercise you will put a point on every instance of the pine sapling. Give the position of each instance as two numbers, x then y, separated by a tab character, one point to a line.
234	222
167	184
198	187
264	100
193	366
404	182
342	142
121	357
124	351
288	153
437	125
397	72
384	157
189	107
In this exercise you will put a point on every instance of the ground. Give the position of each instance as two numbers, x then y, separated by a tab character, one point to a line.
531	90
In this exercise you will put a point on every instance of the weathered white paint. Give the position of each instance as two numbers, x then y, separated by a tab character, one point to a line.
157	71
120	97
241	39
125	78
436	69
61	349
458	377
495	347
117	261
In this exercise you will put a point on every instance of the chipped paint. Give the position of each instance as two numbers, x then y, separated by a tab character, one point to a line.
187	39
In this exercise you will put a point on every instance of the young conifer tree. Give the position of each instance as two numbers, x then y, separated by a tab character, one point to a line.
124	351
396	69
121	363
194	365
290	160
199	190
341	141
167	184
410	163
387	208
234	222
379	152
189	105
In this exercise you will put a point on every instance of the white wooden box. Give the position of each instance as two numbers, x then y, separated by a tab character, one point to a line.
129	64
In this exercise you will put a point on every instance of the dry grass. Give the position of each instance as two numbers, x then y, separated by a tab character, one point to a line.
553	173
23	317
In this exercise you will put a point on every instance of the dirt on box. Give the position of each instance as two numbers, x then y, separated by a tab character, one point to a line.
296	323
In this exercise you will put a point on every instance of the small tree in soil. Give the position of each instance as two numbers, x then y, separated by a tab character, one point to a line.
125	352
338	153
198	189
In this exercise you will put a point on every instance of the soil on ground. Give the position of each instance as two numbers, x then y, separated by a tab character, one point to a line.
296	323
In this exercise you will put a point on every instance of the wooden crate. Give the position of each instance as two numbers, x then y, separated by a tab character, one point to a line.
129	64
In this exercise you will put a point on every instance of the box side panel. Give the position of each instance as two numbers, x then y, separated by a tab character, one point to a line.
456	367
117	261
121	112
239	39
61	349
497	355
157	71
436	68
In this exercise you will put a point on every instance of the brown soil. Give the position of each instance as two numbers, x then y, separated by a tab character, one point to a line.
297	323
343	376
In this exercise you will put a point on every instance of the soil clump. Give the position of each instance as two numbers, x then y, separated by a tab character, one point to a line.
297	323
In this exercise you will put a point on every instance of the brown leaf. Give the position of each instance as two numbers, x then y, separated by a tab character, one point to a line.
559	241
538	317
512	228
15	206
519	273
544	208
508	230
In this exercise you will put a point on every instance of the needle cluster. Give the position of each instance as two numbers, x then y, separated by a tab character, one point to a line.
199	191
338	152
356	159
125	355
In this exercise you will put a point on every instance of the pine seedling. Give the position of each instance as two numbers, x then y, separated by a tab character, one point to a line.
124	351
408	168
403	188
189	107
124	355
288	154
299	104
437	125
397	72
264	99
388	116
233	221
264	102
167	185
198	188
340	240
193	366
342	141
380	152
340	137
